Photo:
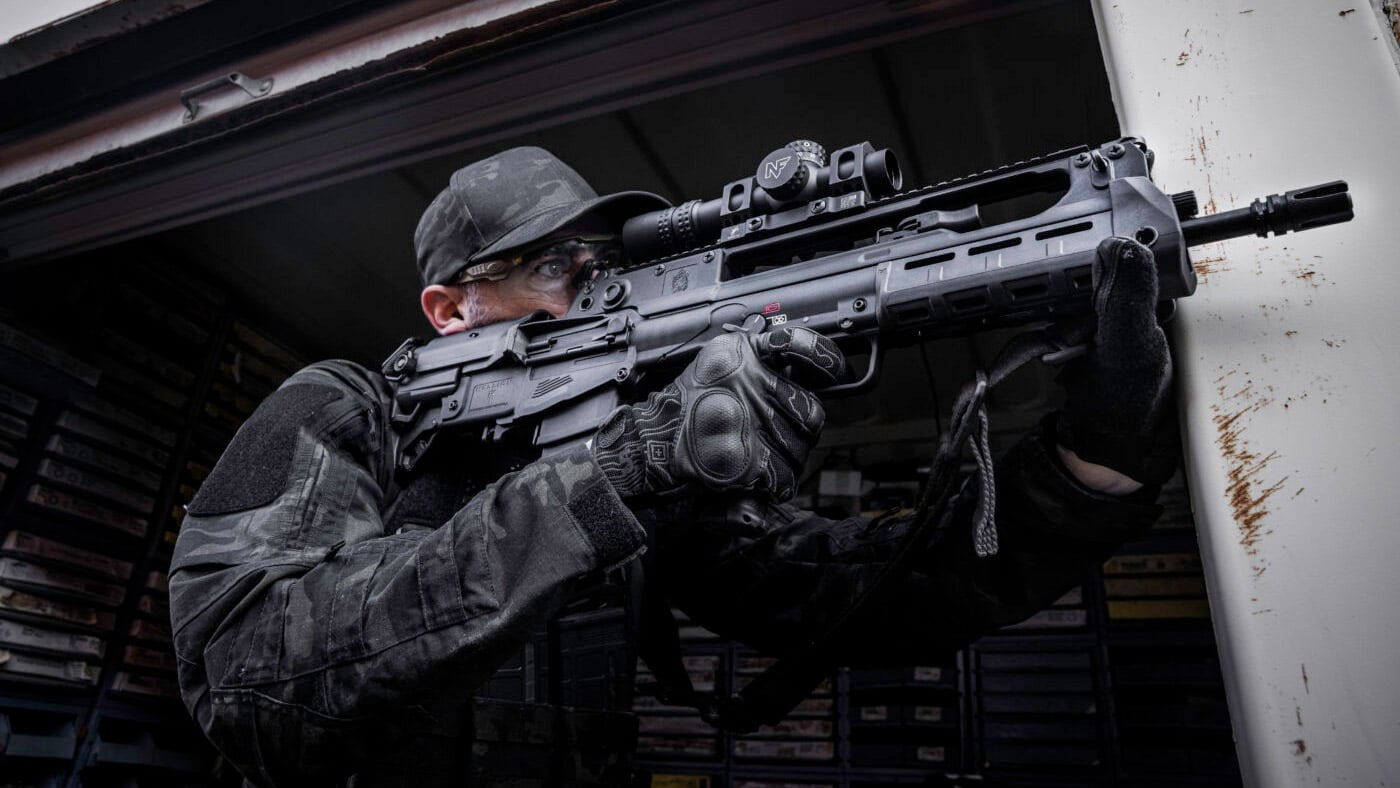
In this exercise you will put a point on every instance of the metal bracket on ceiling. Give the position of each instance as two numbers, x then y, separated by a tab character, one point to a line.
255	88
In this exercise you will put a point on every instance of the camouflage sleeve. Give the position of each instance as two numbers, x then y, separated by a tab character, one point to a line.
306	636
782	584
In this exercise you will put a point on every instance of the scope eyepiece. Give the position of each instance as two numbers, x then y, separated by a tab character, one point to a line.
882	174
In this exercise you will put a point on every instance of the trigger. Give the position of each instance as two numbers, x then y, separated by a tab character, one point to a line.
1065	354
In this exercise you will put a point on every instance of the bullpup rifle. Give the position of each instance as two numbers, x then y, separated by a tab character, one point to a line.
832	245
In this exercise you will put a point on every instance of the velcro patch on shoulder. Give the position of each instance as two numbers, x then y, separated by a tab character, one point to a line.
253	470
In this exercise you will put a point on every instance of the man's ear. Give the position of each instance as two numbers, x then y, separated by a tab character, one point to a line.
443	307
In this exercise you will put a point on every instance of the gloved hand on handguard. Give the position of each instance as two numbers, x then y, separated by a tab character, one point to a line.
1118	411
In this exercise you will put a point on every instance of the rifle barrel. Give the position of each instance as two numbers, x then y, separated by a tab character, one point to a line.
1299	209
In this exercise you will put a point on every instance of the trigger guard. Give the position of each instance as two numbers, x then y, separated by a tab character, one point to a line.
872	371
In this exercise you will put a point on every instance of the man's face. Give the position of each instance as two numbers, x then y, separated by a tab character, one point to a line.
546	277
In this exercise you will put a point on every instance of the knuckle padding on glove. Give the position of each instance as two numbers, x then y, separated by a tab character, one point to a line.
253	469
729	421
718	359
721	438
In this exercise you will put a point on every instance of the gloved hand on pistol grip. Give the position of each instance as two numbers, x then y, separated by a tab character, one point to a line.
728	422
1118	411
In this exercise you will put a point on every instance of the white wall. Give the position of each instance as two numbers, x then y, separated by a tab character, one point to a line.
1288	362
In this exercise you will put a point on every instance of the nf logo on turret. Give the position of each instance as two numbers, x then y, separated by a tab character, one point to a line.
775	168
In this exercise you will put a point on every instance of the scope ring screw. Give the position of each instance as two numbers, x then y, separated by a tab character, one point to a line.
858	305
1115	151
755	223
819	206
1082	160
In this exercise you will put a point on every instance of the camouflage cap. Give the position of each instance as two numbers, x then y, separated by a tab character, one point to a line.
508	201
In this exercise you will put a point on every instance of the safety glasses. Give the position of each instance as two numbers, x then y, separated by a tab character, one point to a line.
560	260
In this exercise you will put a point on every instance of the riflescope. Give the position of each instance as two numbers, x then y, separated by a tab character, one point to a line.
787	178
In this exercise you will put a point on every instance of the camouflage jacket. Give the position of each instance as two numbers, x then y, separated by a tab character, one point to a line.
326	609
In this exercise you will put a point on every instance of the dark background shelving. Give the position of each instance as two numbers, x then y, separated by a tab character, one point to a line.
127	722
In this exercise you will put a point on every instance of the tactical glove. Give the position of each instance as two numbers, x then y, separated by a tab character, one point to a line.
1118	411
728	421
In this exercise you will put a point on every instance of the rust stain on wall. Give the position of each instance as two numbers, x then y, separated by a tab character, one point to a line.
1300	750
1308	276
1205	266
1210	206
1248	494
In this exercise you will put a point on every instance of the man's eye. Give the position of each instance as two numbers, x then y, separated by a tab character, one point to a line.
552	268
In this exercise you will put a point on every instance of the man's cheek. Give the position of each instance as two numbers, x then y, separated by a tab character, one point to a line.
560	305
477	304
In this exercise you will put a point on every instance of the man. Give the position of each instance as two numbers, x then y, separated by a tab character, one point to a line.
329	610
